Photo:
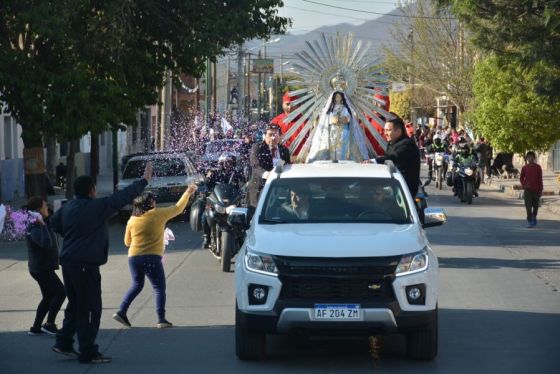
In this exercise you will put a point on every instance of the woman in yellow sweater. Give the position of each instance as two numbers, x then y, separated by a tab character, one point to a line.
144	237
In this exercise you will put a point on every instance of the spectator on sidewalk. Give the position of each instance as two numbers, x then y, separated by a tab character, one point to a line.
42	248
144	236
82	222
532	182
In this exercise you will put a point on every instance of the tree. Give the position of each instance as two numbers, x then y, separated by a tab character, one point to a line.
72	66
508	111
424	100
430	49
400	103
527	31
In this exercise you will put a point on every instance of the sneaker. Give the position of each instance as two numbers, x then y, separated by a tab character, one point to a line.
121	317
49	328
164	324
35	331
66	352
97	358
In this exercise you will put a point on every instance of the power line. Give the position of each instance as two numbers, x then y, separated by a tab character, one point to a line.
325	13
371	12
368	1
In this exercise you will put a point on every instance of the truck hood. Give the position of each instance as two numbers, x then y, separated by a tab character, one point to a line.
336	240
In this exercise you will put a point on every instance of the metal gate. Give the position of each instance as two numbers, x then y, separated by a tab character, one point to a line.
556	157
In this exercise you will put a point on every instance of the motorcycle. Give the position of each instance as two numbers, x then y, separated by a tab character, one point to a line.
467	177
421	199
225	239
440	168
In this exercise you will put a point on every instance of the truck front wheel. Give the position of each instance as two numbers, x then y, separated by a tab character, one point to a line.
249	345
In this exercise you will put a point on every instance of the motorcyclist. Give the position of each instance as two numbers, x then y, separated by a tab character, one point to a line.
465	158
226	172
437	145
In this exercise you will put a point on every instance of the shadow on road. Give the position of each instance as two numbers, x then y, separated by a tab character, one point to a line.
496	263
470	341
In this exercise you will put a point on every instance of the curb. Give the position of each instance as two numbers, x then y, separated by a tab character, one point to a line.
516	192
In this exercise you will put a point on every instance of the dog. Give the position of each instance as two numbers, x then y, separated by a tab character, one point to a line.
509	172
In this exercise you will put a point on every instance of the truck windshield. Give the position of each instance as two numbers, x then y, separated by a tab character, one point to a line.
335	200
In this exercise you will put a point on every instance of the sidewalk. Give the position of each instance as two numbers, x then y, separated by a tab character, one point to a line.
551	192
104	187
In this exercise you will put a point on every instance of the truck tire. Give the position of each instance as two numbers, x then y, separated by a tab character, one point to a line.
249	345
423	344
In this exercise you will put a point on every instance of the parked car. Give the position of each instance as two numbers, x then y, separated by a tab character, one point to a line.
173	172
338	248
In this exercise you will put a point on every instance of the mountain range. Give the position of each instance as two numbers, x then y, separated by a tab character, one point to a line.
376	31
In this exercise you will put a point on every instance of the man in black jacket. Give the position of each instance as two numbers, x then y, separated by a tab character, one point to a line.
264	156
403	152
82	222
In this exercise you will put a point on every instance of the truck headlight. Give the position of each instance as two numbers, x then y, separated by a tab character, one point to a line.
412	263
260	263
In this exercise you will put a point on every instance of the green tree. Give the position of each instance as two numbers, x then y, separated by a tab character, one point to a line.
526	30
507	109
72	66
400	104
424	102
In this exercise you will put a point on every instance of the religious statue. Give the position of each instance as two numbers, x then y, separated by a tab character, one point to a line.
336	102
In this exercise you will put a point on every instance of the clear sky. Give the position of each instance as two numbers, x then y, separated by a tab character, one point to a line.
307	16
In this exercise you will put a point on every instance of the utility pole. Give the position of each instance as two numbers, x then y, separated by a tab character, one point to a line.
412	111
214	96
208	93
259	94
240	83
249	85
282	69
227	84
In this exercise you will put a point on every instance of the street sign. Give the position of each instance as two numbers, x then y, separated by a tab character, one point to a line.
263	65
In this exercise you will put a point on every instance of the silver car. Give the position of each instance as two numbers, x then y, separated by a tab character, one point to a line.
173	172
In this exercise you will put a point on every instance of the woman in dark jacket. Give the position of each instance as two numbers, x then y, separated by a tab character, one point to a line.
43	261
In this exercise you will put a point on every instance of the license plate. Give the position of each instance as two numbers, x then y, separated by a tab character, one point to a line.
337	312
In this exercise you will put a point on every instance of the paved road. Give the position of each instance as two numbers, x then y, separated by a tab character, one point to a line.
499	307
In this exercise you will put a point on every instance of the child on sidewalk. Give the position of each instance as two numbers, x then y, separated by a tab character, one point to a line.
532	182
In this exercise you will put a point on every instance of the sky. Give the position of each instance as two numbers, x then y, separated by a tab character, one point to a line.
307	16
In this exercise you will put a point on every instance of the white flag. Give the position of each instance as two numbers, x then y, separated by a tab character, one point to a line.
226	126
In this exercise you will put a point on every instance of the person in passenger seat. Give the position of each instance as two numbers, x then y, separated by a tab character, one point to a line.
298	206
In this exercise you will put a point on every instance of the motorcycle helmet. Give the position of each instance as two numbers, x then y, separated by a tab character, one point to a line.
227	160
437	140
465	150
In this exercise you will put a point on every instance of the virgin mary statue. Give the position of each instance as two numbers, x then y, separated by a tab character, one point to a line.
335	100
338	135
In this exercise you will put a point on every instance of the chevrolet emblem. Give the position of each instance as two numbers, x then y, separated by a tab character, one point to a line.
374	287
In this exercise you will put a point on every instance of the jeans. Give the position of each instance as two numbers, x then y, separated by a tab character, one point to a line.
140	267
83	312
53	294
531	204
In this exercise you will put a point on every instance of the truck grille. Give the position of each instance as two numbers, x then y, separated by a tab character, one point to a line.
368	279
